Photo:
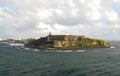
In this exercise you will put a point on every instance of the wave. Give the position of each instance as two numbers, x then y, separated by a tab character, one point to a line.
40	50
70	50
27	48
16	44
80	50
64	51
58	50
112	47
36	50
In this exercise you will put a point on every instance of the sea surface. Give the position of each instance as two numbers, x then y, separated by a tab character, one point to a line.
16	60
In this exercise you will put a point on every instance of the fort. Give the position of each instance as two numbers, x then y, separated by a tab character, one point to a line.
66	42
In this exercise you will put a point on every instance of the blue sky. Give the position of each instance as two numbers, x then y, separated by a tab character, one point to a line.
36	18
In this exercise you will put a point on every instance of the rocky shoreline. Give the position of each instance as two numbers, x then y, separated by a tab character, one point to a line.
66	42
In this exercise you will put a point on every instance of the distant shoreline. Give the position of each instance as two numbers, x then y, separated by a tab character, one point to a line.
61	42
66	48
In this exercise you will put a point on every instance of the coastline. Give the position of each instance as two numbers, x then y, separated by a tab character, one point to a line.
81	48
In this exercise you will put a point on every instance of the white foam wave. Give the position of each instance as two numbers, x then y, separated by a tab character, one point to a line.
16	44
27	48
80	50
64	50
35	50
54	50
112	47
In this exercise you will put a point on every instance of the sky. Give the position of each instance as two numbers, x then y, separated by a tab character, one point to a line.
36	18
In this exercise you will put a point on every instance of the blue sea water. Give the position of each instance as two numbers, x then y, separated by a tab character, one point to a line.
20	61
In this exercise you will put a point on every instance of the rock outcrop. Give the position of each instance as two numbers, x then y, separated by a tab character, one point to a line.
66	42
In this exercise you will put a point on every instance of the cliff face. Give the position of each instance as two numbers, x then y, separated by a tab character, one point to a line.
66	42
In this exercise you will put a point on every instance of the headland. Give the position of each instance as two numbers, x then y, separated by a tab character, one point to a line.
66	42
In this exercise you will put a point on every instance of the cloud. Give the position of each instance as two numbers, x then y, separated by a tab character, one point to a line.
35	18
112	15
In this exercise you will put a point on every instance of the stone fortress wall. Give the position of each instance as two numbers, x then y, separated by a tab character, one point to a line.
64	40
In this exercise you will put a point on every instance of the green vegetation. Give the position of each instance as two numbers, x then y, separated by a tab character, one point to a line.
73	47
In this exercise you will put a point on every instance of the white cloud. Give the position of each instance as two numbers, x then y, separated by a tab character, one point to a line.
94	18
71	3
94	12
82	1
75	12
95	15
58	11
117	1
112	15
97	3
45	13
116	26
59	27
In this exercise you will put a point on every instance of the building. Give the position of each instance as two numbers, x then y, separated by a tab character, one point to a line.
58	41
1	39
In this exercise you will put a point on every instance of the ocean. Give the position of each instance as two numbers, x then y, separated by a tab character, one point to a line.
16	60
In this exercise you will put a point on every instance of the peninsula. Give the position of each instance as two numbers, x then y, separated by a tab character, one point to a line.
66	42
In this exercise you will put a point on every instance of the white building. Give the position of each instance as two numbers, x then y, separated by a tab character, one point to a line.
0	39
